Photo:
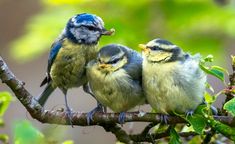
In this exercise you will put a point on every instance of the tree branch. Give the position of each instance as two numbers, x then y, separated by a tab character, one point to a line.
152	137
120	134
106	120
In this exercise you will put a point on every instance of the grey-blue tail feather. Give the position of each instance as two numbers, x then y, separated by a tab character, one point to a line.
45	94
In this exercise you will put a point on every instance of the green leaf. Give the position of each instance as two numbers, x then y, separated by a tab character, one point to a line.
213	71
198	122
217	73
220	69
209	98
200	109
4	138
209	58
5	99
174	137
230	106
25	133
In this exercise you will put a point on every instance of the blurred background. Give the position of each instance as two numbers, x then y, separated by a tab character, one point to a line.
28	28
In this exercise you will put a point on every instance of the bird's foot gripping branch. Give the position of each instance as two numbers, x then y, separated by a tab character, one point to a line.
203	124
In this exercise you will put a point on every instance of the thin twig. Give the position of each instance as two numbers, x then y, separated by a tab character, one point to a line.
208	137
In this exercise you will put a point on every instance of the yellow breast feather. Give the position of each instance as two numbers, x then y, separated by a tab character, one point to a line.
68	69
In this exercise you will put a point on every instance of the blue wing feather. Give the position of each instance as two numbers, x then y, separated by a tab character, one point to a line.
54	51
134	66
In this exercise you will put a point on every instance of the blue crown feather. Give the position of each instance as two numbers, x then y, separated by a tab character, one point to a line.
85	17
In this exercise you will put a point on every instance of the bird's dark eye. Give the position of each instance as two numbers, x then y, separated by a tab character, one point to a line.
91	28
155	48
114	61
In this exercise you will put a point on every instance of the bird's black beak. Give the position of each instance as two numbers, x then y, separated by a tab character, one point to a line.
107	32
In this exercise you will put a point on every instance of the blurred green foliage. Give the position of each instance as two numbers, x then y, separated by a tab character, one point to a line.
26	133
68	142
174	137
5	99
196	26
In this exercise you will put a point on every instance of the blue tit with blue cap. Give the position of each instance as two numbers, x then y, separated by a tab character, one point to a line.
115	78
70	53
172	79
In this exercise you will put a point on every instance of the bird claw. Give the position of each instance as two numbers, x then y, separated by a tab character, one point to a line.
90	114
189	113
164	119
122	117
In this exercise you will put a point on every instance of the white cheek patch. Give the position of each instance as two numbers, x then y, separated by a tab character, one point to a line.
119	64
73	31
78	34
93	36
160	56
89	36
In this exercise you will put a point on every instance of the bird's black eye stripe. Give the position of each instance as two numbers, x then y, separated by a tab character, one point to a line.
92	28
157	48
113	61
89	27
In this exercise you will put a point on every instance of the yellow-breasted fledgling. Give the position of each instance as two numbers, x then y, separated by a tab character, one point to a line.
70	53
115	78
172	79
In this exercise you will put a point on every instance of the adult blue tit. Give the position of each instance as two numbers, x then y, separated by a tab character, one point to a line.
70	53
172	80
115	78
